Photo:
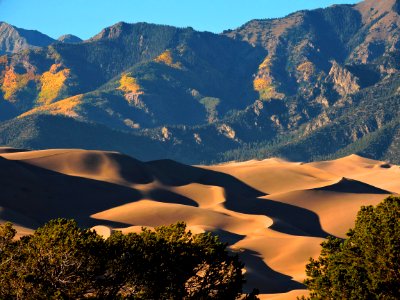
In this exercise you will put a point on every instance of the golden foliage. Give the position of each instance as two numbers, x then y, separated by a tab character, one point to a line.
13	82
66	107
128	84
52	83
263	82
265	66
132	91
166	58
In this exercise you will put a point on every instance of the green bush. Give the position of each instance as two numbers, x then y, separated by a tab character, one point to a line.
366	265
62	261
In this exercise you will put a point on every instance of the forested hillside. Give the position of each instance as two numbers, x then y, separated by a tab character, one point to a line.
315	84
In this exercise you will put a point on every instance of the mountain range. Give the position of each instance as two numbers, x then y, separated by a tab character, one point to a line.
316	84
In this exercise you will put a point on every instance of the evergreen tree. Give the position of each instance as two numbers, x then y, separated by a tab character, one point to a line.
366	265
62	261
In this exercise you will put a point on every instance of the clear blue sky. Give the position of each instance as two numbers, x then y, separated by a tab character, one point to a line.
85	18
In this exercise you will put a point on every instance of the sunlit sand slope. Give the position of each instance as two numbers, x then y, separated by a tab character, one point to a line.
275	213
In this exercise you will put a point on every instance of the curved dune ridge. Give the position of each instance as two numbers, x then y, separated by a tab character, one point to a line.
275	213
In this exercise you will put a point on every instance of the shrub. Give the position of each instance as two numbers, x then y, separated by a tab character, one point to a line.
366	265
62	261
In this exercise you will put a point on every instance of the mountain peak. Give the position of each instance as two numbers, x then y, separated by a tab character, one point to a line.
69	38
113	31
14	39
122	28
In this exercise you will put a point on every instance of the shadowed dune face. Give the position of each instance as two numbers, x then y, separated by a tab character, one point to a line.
274	213
10	150
287	218
175	174
353	187
264	277
109	166
60	195
375	173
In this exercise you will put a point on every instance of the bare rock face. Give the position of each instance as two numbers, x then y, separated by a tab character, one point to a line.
345	83
10	41
14	39
319	122
227	131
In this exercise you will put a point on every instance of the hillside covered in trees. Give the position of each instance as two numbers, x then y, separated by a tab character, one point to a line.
314	84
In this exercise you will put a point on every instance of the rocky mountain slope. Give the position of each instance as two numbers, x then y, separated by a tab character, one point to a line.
69	38
314	84
14	39
132	75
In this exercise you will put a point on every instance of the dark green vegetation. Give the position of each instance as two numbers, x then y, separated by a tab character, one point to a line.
367	264
315	84
62	132
62	261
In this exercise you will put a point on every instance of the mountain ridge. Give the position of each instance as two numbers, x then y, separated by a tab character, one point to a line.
14	39
69	38
266	88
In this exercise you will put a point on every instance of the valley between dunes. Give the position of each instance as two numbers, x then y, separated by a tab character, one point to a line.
275	213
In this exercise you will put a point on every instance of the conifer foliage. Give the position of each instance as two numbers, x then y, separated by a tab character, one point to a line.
62	261
367	264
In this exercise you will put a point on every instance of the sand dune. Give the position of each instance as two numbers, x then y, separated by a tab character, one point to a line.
348	195
270	175
99	165
10	150
275	213
373	172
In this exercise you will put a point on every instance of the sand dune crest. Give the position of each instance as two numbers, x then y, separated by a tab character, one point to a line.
274	212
